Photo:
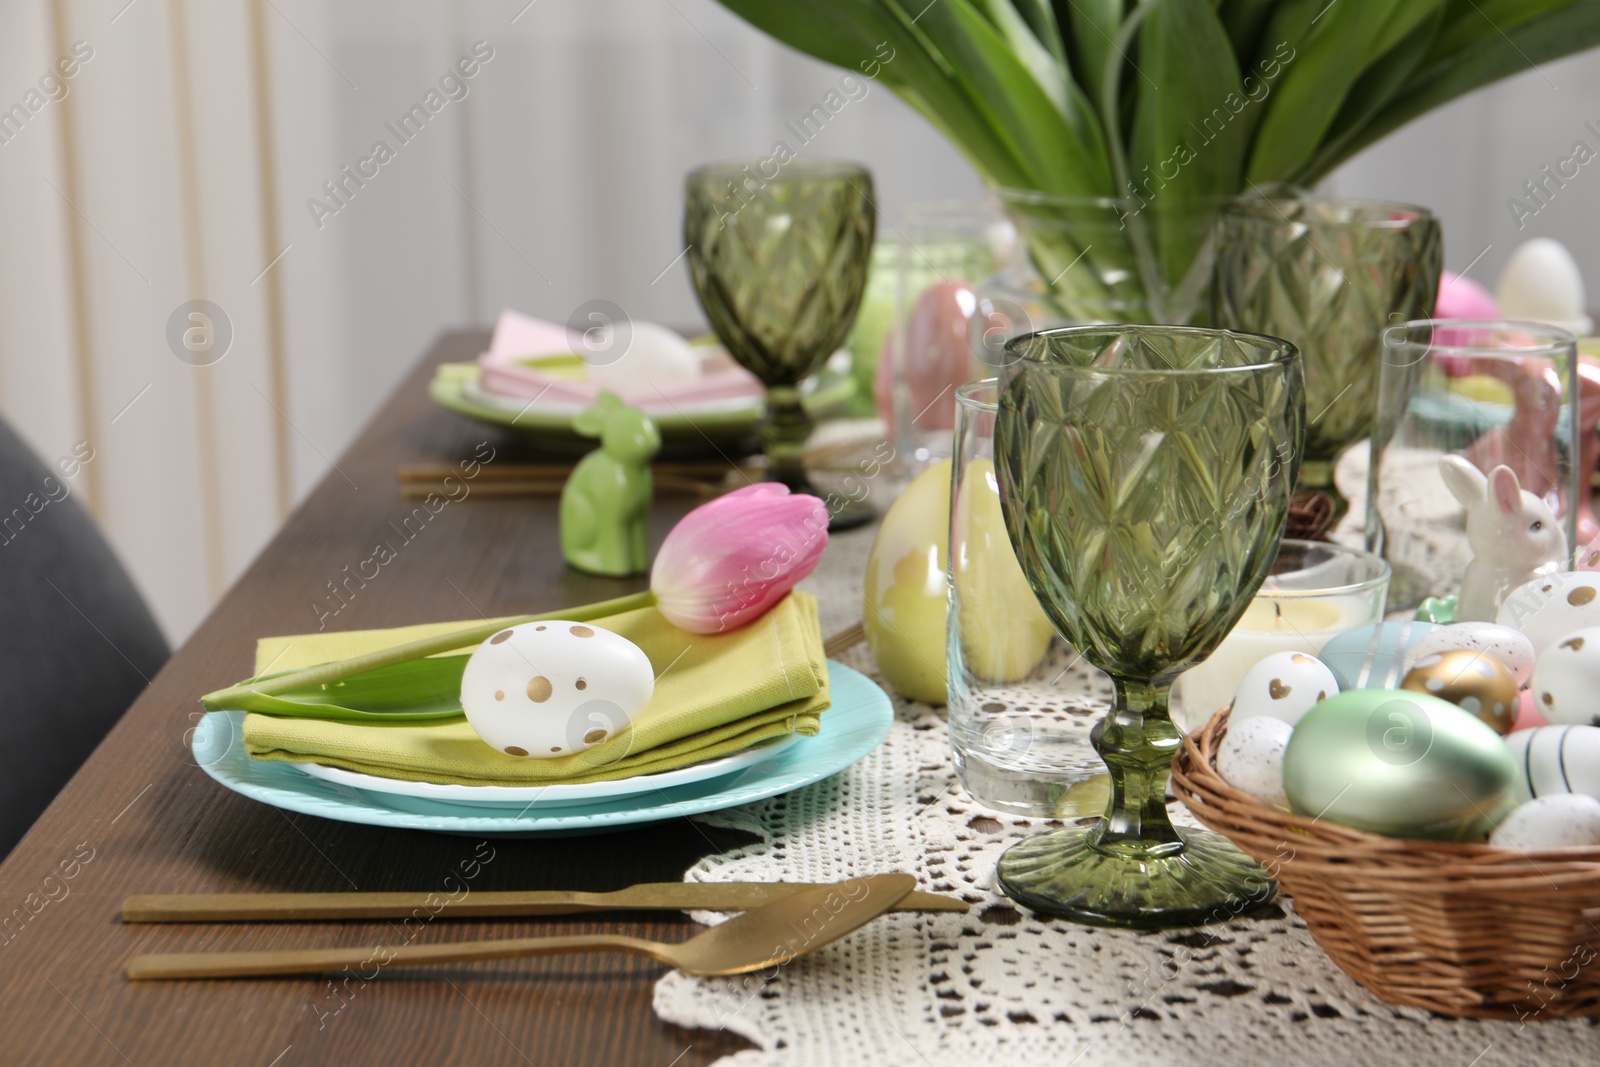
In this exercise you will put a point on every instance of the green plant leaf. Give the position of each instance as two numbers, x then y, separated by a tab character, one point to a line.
1314	85
1374	90
1470	21
848	33
1041	19
1556	32
417	690
1047	67
1404	17
1188	144
1245	20
1063	154
1092	26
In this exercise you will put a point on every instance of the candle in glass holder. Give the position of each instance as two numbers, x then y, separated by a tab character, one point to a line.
1318	589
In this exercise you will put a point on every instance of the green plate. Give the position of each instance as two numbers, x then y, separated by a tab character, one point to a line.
730	432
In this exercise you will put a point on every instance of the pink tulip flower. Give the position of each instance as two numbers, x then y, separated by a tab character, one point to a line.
729	560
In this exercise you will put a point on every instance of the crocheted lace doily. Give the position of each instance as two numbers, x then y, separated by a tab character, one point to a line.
1000	985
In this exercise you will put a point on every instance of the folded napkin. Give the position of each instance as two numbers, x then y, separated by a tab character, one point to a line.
532	360
715	694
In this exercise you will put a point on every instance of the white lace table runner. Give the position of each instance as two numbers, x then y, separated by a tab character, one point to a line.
1000	986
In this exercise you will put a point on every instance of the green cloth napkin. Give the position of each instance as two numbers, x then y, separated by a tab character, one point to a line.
715	694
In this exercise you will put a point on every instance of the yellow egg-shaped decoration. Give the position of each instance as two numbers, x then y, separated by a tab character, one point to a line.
906	591
1004	633
1471	681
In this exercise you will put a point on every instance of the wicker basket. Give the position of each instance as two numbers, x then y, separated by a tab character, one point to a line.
1463	930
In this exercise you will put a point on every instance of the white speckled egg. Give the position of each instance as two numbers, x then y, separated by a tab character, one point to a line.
1550	607
1283	686
1566	820
1556	759
1566	681
1510	647
549	689
1251	757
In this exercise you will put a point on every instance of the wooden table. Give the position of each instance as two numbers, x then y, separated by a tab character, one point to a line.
140	817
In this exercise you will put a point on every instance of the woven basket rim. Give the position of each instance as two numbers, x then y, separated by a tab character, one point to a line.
1207	794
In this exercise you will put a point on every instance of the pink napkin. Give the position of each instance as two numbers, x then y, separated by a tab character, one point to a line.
505	370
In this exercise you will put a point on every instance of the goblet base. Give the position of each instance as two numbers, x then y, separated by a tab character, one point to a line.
1135	884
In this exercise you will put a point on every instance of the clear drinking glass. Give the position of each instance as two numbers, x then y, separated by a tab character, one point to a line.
1144	474
947	251
1022	701
1511	393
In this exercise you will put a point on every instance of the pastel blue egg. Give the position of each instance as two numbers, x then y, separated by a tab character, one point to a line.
1373	657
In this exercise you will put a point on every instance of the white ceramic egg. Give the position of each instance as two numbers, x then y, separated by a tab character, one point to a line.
1251	757
1511	648
1552	606
553	688
1541	282
1283	686
1565	820
1566	681
654	356
1556	759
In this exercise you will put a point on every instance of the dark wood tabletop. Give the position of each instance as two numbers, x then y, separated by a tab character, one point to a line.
141	817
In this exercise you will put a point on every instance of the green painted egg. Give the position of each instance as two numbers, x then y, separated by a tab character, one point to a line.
1398	763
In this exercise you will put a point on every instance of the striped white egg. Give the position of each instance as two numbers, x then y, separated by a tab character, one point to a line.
1556	759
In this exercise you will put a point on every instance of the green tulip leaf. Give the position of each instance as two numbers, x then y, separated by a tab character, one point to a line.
416	690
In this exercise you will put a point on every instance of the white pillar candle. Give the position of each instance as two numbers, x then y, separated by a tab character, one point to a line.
1277	620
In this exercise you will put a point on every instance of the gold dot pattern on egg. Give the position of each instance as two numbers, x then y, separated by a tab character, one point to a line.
581	631
1580	596
513	750
499	694
1302	659
594	737
581	684
539	689
540	629
1277	690
555	748
499	637
1574	643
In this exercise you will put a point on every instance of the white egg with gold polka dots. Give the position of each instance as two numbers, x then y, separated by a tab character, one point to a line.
549	689
1283	686
1566	680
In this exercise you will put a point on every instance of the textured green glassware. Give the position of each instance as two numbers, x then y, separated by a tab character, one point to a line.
780	266
1145	474
1328	276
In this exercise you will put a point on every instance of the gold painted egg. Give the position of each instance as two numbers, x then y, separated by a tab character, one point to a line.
1472	681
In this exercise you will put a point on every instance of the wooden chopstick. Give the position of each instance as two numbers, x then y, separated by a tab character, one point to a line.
844	640
665	485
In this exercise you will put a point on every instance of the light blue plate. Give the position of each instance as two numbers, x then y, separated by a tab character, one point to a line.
852	727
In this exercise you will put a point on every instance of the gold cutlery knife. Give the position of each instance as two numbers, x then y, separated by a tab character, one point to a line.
480	904
763	937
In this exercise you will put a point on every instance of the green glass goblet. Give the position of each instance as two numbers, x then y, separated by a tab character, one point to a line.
1145	474
1328	276
779	265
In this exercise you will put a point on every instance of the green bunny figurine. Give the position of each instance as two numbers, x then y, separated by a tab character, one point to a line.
605	505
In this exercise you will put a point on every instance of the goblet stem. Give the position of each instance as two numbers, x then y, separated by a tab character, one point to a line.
1137	739
1134	868
784	434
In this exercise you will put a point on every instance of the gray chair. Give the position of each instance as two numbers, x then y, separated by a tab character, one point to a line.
77	644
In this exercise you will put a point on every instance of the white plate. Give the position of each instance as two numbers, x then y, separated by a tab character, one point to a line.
549	796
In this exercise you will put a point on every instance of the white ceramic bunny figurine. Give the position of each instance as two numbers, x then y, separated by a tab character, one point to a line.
1514	536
